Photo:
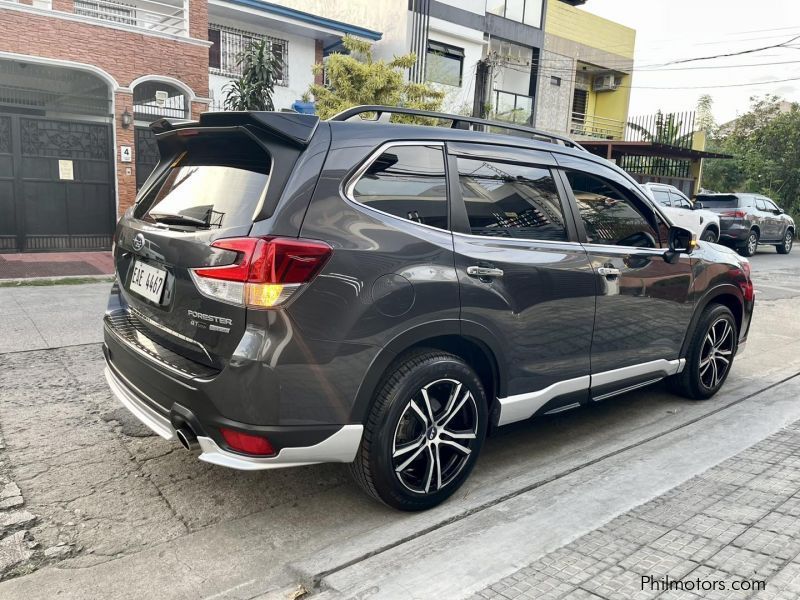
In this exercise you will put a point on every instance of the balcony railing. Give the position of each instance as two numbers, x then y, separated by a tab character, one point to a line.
514	108
592	126
155	15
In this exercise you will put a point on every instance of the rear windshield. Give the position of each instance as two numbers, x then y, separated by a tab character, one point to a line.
720	200
216	182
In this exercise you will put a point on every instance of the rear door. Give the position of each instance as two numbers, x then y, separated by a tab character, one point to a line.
771	223
209	185
644	304
525	281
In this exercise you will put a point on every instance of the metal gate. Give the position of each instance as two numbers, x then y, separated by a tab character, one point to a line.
146	154
56	184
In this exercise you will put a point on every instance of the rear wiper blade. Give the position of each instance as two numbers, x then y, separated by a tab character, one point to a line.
176	219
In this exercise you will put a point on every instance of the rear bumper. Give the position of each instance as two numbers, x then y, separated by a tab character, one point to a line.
734	234
341	446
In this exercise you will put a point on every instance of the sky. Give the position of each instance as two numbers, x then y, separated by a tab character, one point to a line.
672	30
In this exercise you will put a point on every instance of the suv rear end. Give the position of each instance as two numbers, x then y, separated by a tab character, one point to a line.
733	216
192	345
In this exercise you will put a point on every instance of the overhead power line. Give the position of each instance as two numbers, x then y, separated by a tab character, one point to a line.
729	54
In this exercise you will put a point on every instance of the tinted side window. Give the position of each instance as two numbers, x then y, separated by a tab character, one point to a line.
760	204
680	201
407	182
511	200
609	215
662	197
771	205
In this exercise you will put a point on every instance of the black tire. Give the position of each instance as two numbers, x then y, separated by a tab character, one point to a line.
695	381
788	242
393	419
709	235
751	244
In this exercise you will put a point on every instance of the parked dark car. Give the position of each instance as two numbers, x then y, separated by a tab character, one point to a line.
292	291
747	220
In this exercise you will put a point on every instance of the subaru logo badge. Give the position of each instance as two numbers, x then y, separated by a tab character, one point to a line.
138	242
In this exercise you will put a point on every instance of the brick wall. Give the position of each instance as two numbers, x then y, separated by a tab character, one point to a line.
64	5
126	183
124	55
198	19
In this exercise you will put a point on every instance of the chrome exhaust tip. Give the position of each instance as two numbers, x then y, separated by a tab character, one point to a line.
187	438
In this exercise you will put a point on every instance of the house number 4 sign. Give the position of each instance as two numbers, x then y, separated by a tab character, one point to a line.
125	153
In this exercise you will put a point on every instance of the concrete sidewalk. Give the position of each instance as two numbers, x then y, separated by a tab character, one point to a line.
55	264
38	317
736	525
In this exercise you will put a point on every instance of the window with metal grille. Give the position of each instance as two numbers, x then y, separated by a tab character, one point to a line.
228	43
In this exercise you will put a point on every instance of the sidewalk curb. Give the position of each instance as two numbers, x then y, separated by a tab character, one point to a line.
59	280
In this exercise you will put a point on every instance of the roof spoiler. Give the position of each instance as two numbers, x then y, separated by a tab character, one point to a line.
295	128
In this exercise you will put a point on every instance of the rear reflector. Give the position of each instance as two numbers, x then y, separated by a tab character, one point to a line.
266	271
247	442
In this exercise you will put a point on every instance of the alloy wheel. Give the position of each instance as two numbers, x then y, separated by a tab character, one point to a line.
752	243
716	353
434	436
787	241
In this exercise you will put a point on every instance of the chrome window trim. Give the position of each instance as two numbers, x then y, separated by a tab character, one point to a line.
349	184
523	406
570	243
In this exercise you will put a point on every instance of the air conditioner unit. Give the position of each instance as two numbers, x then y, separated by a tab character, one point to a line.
606	83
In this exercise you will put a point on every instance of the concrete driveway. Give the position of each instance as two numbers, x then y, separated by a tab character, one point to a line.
118	513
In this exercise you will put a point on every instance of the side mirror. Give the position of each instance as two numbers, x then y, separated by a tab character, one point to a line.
778	211
681	241
697	205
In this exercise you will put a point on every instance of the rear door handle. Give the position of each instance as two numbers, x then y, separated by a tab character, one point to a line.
484	272
608	271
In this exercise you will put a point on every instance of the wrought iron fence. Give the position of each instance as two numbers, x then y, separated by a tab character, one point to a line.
672	129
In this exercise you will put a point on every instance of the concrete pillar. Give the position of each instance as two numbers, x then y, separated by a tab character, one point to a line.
318	50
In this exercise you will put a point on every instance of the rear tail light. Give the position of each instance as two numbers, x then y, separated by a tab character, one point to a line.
247	442
266	273
736	214
747	286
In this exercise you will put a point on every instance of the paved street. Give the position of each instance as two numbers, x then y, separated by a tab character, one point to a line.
99	508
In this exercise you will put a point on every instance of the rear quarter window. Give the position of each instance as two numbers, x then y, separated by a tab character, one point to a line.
406	181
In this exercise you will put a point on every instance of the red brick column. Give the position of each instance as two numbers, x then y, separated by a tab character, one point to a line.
64	5
197	108
318	60
126	171
198	19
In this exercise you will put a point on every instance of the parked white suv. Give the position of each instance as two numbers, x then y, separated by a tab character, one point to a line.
683	213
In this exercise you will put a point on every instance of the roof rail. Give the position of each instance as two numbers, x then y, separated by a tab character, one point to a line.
458	122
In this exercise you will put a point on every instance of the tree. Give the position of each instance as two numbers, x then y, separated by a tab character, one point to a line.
357	78
765	144
705	114
252	90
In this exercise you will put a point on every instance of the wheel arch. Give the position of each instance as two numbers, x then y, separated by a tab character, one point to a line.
728	295
475	346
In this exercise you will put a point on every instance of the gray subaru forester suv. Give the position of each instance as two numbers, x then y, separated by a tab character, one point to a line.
293	291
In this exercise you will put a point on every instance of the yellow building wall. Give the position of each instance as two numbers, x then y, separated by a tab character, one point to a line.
580	26
614	105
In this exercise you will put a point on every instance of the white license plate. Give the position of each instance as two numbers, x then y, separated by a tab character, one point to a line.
148	281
